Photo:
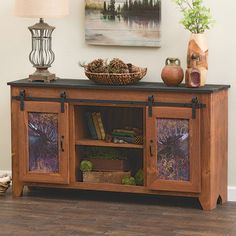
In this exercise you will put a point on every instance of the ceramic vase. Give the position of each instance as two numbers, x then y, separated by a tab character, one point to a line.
172	74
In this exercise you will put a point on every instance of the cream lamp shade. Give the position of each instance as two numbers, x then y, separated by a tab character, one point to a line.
41	8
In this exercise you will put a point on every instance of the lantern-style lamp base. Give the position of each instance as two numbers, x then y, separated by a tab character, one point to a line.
42	75
41	55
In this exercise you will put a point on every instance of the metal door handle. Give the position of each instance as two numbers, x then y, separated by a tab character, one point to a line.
151	148
62	144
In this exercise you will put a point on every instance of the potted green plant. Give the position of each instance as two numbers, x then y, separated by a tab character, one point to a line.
86	166
197	19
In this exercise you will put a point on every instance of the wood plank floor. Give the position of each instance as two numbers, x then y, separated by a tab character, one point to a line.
67	212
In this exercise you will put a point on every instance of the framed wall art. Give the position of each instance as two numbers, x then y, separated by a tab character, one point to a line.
123	22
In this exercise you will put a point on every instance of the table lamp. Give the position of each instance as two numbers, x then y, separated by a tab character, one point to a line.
41	55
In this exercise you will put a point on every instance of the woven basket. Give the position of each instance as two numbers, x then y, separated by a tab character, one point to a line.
4	187
117	79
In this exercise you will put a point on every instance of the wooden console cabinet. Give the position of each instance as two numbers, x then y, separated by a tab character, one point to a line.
184	130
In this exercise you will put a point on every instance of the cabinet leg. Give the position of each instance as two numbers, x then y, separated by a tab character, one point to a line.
207	204
211	203
17	189
222	199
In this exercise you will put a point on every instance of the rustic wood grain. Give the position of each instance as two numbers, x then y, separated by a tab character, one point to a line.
17	183
73	165
59	213
102	143
29	176
193	185
214	140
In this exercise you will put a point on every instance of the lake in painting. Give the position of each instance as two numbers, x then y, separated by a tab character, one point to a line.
123	22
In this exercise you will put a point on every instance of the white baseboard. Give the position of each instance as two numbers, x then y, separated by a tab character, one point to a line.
231	189
232	193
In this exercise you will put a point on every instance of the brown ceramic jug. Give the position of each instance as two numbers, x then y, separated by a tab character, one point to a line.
172	74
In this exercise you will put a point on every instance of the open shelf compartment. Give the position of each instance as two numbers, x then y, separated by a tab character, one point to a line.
112	119
109	165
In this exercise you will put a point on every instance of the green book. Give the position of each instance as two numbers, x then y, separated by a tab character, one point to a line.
124	131
122	134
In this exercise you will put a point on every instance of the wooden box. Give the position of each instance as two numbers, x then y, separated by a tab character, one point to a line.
109	165
114	177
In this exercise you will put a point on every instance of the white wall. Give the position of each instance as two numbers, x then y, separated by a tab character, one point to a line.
70	48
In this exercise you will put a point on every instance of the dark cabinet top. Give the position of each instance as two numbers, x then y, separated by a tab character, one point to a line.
141	86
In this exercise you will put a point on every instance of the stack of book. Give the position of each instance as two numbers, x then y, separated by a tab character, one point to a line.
95	125
127	135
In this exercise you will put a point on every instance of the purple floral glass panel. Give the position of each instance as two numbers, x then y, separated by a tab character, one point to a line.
173	149
43	142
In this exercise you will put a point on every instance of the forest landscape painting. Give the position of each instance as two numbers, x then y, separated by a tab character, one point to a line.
123	22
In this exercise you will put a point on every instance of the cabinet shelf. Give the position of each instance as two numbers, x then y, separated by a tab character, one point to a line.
110	187
101	143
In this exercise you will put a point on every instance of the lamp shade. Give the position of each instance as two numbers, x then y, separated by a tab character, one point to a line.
41	8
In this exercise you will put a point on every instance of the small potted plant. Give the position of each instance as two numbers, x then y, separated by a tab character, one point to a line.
197	19
86	167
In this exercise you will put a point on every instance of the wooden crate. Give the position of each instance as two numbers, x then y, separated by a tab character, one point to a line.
114	177
109	165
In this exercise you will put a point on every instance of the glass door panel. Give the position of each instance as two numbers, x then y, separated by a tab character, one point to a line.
43	142
173	149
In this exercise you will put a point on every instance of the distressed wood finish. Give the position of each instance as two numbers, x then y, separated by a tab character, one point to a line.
210	126
102	143
214	161
46	177
18	185
73	165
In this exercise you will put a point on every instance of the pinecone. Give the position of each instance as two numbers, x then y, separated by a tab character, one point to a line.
97	66
117	66
133	69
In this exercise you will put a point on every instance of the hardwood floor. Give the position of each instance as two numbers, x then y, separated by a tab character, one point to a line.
68	212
